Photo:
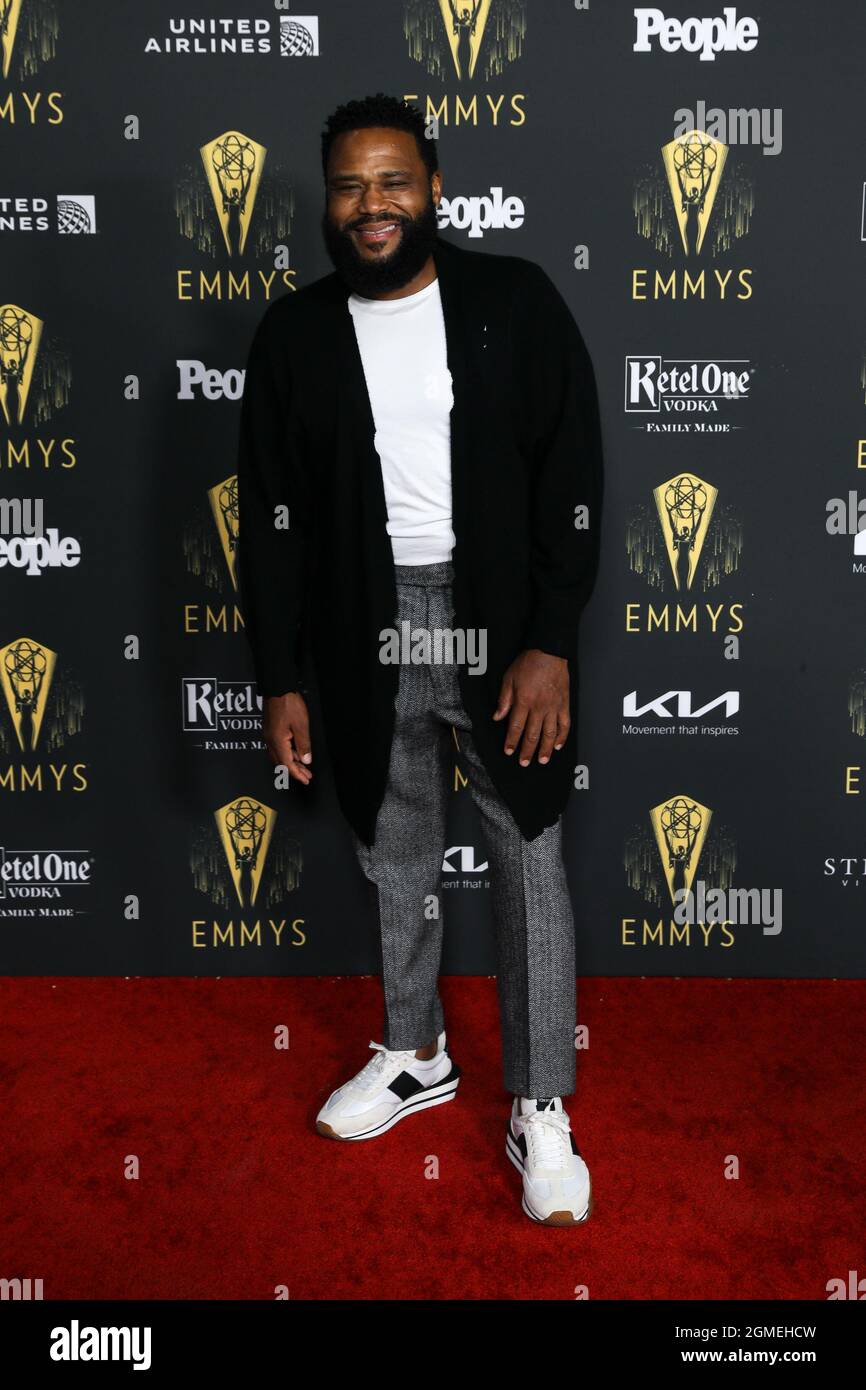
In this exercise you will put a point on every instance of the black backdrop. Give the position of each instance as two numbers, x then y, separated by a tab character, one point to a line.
116	271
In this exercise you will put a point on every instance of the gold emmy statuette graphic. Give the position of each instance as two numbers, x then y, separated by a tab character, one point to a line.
245	828
10	13
684	504
464	22
233	167
19	344
26	671
693	164
224	504
680	826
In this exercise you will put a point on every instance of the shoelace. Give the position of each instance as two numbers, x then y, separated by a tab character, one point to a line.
547	1131
373	1073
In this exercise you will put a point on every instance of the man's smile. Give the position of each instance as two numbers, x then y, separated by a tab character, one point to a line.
376	233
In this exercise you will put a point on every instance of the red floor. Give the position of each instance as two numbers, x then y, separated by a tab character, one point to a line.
237	1195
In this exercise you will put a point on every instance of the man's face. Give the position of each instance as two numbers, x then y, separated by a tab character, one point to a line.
379	222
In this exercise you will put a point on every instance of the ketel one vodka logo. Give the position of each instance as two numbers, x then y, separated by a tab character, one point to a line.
682	213
245	828
26	672
680	827
20	333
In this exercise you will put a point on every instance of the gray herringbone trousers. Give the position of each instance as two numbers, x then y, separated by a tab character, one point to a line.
530	899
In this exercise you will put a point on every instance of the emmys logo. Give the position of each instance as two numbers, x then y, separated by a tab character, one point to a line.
707	37
224	508
245	828
455	37
857	703
33	43
685	506
676	213
217	201
20	333
26	673
229	859
479	215
27	678
694	163
210	547
662	857
680	826
683	509
233	166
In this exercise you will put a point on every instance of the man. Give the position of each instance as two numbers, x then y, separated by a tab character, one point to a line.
426	417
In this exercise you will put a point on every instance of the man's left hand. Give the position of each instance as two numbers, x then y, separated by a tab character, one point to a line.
535	690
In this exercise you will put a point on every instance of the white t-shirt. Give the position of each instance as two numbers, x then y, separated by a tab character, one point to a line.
403	350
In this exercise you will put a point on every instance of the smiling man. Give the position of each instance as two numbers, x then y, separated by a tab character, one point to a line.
426	416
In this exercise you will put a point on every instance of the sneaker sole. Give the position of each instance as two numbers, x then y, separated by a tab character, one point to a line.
423	1100
556	1218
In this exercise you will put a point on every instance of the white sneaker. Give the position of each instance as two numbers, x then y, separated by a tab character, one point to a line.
540	1144
391	1086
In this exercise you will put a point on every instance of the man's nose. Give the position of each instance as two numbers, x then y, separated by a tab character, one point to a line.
372	202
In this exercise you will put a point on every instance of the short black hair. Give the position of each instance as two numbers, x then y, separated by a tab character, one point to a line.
380	110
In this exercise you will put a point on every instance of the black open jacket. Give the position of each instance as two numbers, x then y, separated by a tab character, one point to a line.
525	452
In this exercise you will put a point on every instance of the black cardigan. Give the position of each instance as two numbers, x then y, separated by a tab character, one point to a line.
525	452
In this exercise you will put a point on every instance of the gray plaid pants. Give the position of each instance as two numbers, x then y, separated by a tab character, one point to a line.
531	905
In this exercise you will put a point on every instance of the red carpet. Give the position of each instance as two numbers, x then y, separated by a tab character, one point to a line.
237	1194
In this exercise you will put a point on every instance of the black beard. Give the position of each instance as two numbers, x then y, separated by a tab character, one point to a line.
373	277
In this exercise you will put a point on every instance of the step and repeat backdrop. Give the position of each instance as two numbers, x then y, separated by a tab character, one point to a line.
692	177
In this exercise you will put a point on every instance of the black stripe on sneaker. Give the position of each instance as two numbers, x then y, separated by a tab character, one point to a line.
406	1085
574	1148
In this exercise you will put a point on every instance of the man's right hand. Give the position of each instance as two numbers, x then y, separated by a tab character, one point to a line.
286	729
